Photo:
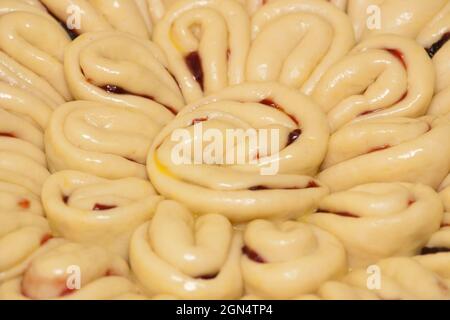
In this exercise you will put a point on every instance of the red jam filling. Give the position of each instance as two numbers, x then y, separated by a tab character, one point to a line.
103	207
24	203
71	32
438	45
7	134
111	88
271	103
194	63
198	120
341	214
311	184
208	276
379	148
293	136
433	250
252	255
46	238
399	55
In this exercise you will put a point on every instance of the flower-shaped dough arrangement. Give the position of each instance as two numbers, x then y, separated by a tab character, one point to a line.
224	149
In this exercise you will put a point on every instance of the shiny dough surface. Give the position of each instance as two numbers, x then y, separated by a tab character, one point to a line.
224	149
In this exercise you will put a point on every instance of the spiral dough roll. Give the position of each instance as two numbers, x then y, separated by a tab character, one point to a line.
100	15
396	278
439	242
107	141
21	39
22	237
403	278
22	164
23	115
206	43
284	33
274	185
385	76
402	17
71	271
191	258
380	220
253	5
286	259
388	150
98	68
434	37
87	209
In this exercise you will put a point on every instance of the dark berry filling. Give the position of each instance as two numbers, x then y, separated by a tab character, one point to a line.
342	213
103	207
7	134
208	276
438	45
271	103
194	63
252	255
71	32
132	160
368	112
311	184
379	148
199	120
114	89
293	136
433	250
111	88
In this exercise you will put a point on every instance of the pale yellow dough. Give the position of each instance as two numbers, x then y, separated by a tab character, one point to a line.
49	275
96	60
388	150
87	209
17	37
192	258
22	164
380	220
22	237
436	31
218	31
296	41
224	149
294	259
401	278
21	39
385	76
290	190
402	17
23	115
103	15
100	139
440	240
